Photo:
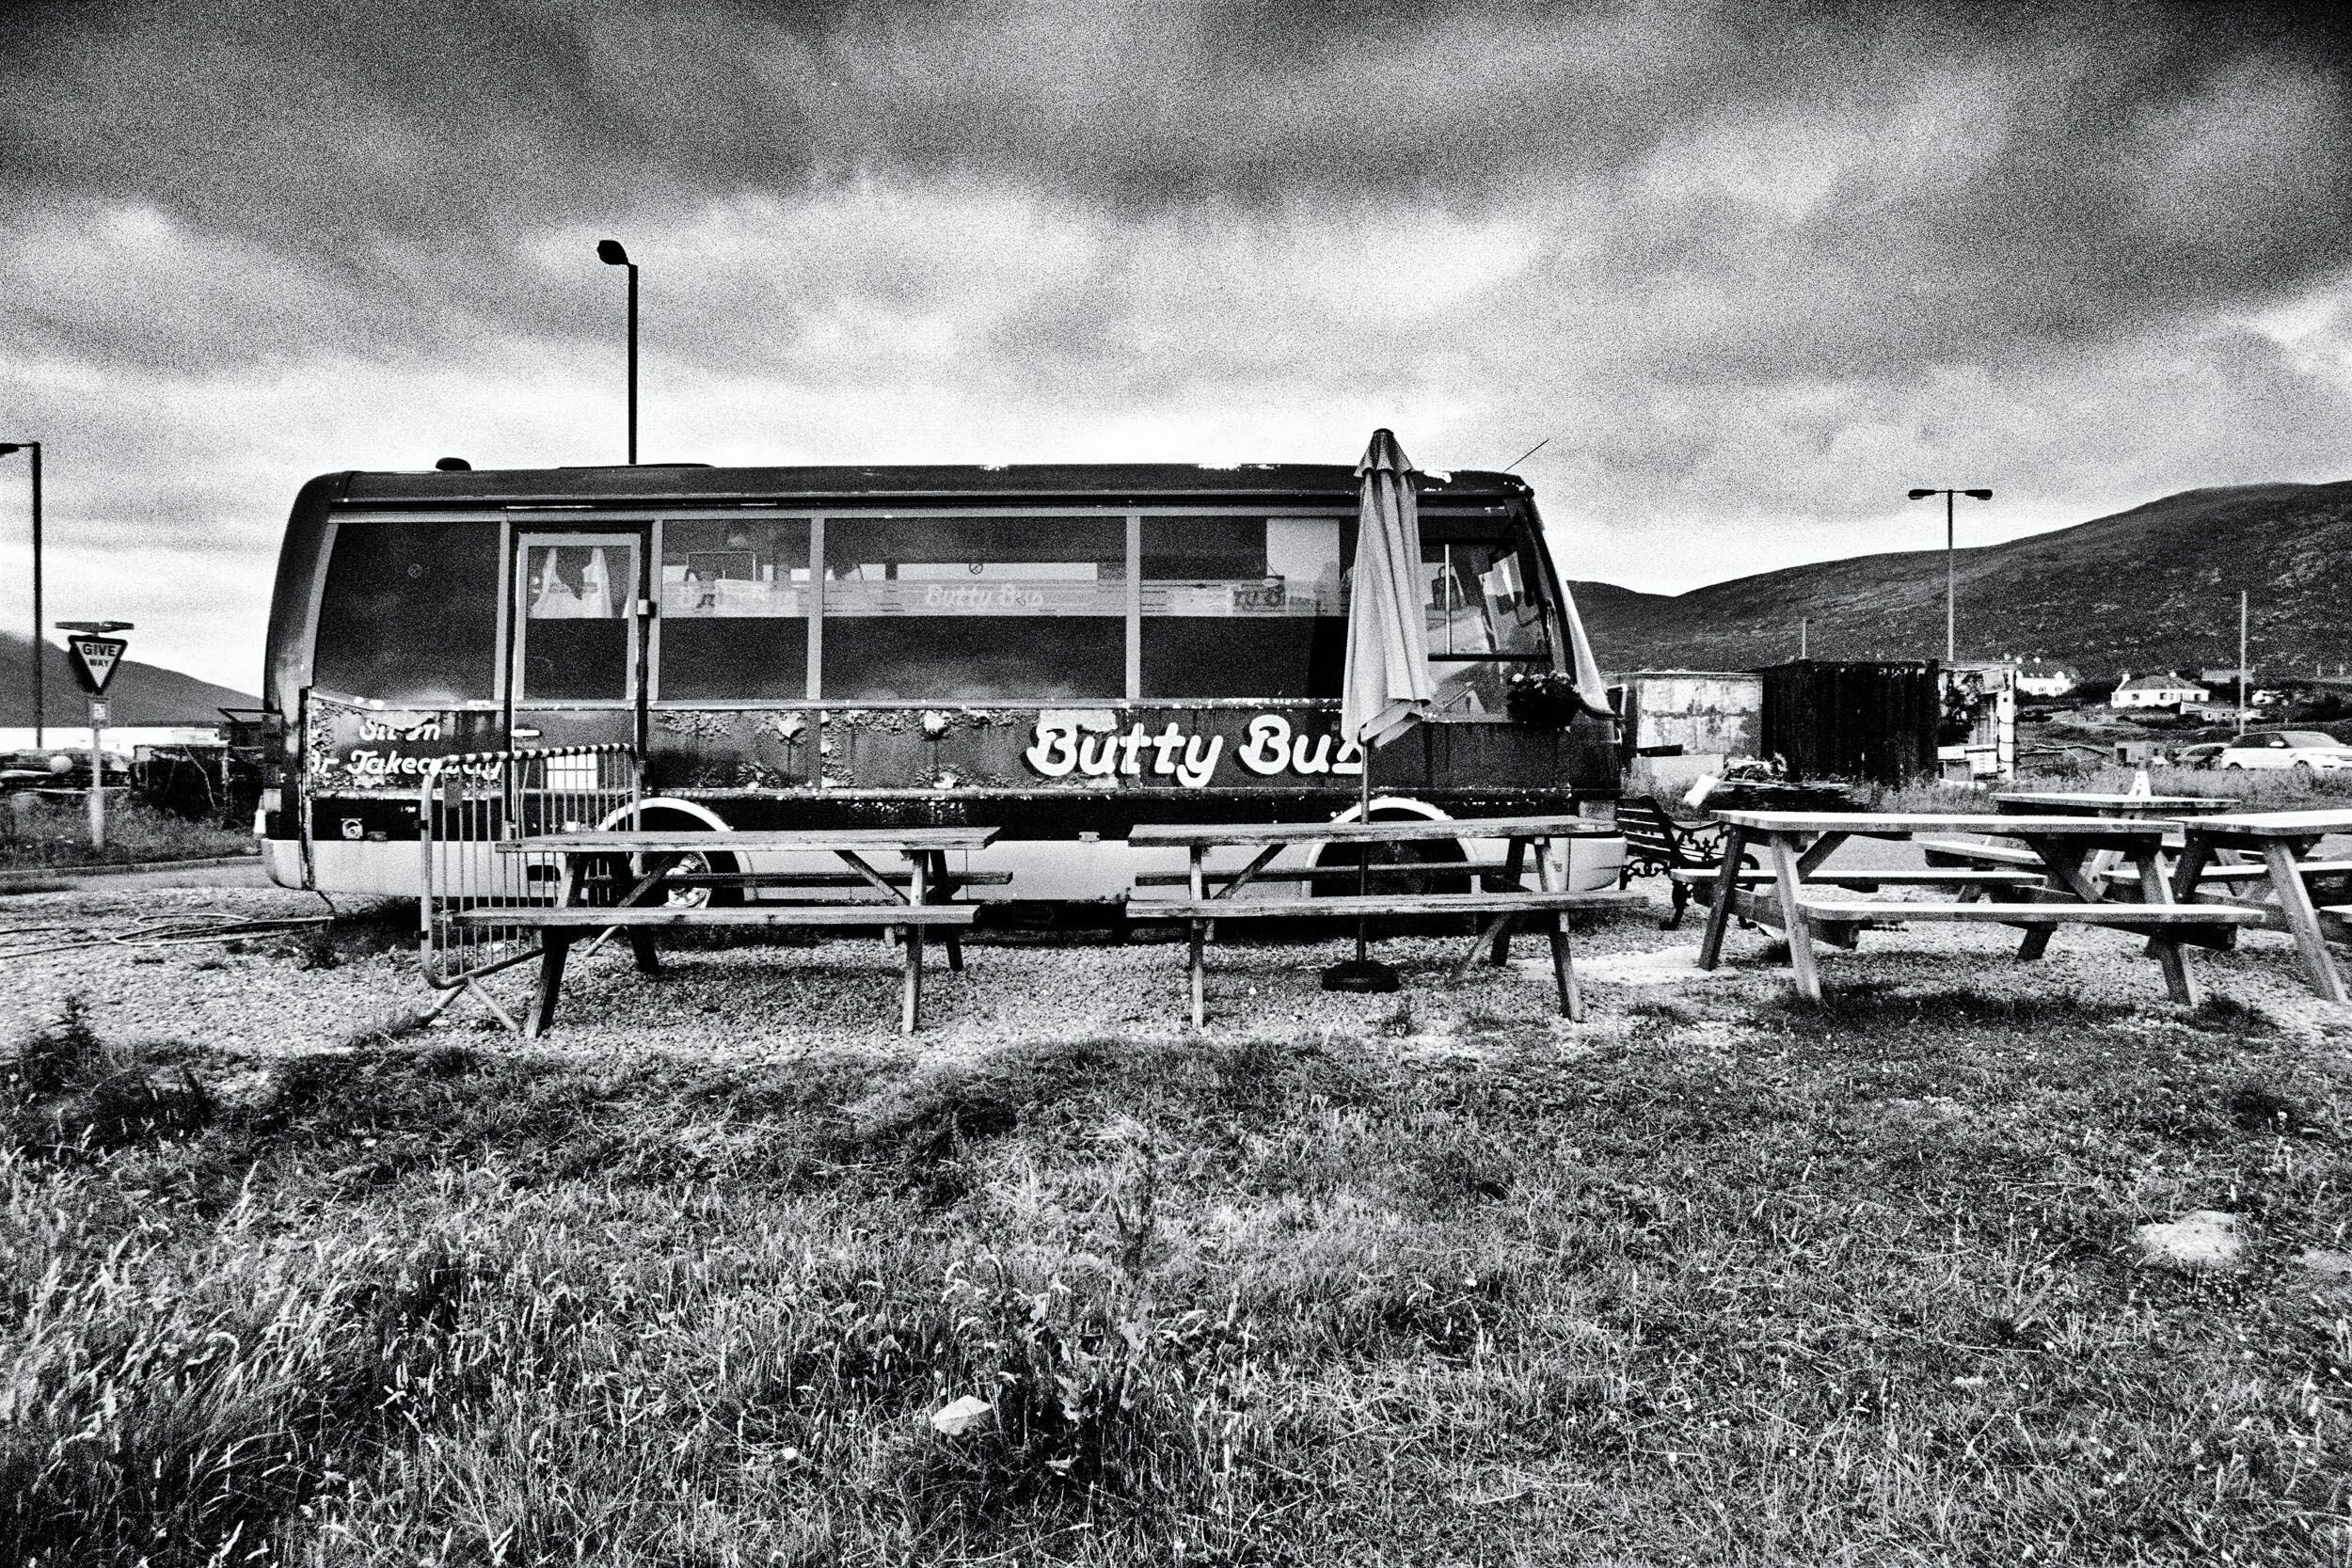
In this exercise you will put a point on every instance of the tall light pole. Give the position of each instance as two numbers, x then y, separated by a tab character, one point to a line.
1952	618
40	684
611	253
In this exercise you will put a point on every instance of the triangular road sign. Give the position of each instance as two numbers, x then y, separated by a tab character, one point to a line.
95	658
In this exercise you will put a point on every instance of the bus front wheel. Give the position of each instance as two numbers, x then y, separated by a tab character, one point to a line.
1388	862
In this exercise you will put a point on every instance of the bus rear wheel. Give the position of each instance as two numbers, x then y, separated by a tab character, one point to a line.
700	863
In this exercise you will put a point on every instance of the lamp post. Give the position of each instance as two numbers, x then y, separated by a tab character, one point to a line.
1951	619
612	254
39	685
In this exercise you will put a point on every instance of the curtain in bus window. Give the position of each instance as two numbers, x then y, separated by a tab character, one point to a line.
1244	606
576	626
975	609
734	623
1484	621
409	612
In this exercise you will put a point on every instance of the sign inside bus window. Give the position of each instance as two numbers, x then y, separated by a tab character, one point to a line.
1065	746
976	596
371	748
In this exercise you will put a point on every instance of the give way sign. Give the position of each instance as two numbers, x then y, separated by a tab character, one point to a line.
95	658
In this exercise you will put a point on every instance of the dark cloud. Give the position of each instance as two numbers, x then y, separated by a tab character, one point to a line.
1736	256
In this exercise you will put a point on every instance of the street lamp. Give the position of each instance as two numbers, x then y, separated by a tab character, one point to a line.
1951	619
39	690
612	255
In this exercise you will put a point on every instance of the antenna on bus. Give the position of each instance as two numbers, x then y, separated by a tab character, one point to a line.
1528	454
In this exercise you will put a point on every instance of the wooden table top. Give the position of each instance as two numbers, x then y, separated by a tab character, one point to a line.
2110	802
2274	824
1902	824
1160	834
855	840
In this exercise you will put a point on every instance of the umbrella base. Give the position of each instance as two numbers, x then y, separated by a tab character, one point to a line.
1360	974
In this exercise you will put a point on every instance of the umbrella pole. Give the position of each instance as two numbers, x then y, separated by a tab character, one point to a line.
1365	972
1364	850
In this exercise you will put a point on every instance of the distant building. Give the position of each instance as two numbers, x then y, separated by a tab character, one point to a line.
2164	690
2219	676
2038	679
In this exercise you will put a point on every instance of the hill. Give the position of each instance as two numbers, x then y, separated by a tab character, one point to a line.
139	694
2155	587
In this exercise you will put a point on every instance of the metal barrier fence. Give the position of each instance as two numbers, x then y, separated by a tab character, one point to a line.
466	805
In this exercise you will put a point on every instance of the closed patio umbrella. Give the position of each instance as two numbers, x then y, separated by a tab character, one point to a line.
1387	685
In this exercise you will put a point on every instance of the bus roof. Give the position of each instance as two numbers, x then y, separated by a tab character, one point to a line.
1094	483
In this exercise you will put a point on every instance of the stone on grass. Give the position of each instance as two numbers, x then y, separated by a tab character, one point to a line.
2201	1239
954	1420
2334	1267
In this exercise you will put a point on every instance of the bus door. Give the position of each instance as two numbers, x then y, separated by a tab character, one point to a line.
579	646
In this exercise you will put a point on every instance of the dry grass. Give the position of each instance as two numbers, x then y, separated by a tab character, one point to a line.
57	833
1845	1283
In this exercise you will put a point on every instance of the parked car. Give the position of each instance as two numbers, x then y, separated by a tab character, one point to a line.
2308	751
2202	755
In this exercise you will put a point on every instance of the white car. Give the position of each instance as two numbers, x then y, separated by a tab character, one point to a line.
2309	750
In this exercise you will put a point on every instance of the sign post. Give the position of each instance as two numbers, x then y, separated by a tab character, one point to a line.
95	658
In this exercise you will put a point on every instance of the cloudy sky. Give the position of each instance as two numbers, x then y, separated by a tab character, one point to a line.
1751	269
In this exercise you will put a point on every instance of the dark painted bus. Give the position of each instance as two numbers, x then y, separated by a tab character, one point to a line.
1060	652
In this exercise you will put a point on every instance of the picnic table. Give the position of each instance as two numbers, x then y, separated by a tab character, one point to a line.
2107	865
1499	890
2283	842
1796	845
625	882
2096	802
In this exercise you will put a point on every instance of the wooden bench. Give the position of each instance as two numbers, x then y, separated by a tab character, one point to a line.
560	925
1333	875
2144	919
631	876
809	879
1959	852
1953	852
2282	897
1655	842
2062	848
1502	899
1199	914
1871	881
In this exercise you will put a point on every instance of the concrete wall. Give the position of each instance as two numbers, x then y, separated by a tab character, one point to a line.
1706	712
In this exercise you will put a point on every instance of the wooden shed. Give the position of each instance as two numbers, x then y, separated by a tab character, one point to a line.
1851	719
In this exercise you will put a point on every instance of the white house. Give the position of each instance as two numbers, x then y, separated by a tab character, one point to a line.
2038	679
2164	690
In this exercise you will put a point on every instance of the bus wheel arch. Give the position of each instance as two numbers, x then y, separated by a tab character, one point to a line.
1436	852
662	813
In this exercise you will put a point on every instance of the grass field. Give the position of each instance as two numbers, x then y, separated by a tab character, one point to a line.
1755	1284
54	833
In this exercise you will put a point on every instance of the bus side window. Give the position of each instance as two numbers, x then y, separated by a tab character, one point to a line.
387	582
734	623
1244	607
975	609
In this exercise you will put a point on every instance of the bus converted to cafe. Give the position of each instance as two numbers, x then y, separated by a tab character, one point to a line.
1060	652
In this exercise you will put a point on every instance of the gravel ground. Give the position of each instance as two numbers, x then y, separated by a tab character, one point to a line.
250	997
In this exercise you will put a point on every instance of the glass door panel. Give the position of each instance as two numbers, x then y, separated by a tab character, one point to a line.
576	637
